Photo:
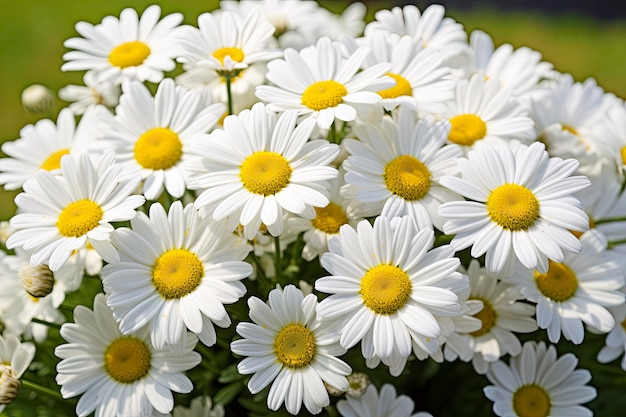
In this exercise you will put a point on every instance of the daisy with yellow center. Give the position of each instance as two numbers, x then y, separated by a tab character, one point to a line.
151	134
388	289
395	166
521	206
483	113
575	291
538	384
289	348
62	214
126	375
126	49
259	167
184	270
320	83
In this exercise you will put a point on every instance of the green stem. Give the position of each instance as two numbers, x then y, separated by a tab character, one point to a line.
332	133
42	390
229	95
611	220
46	323
67	306
259	267
277	259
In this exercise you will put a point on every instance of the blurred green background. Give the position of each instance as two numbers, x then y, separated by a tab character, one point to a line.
32	34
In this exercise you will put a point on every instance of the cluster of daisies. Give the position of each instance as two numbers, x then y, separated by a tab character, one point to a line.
280	190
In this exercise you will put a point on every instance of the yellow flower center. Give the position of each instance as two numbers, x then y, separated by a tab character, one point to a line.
531	401
176	273
623	323
323	95
235	54
402	88
295	346
570	129
466	129
385	289
487	316
329	219
513	207
265	173
127	359
559	283
79	218
54	161
129	54
158	148
623	153
407	177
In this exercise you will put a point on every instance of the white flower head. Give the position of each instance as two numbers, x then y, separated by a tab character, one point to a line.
91	93
615	342
288	347
386	403
15	358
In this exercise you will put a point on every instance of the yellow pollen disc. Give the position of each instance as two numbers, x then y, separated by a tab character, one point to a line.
488	318
570	130
295	346
531	401
235	54
265	173
158	148
78	218
623	323
129	54
623	153
559	283
407	177
54	161
513	207
330	218
127	359
402	88
466	129
323	95
176	273
385	289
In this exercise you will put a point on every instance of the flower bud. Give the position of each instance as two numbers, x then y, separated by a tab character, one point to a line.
9	385
36	280
37	99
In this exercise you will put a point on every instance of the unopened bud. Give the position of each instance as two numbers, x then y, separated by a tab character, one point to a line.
36	280
37	99
9	385
357	384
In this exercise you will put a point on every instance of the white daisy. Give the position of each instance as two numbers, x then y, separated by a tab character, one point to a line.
93	92
41	146
395	167
61	214
615	342
288	347
387	403
319	82
501	315
184	270
258	167
126	49
483	113
523	206
612	134
388	288
15	358
575	290
430	28
422	81
536	383
118	375
152	134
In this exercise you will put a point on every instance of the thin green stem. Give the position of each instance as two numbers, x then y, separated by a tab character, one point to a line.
229	94
332	133
277	258
610	220
259	267
42	390
46	323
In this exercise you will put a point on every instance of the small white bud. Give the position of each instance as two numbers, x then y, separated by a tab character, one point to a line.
37	99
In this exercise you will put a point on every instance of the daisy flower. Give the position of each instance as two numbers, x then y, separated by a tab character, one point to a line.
387	288
151	134
227	42
93	92
395	167
575	290
523	206
387	403
429	28
184	270
501	316
126	49
615	342
61	214
320	83
118	375
41	146
288	347
15	358
536	383
258	167
483	113
200	407
612	133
